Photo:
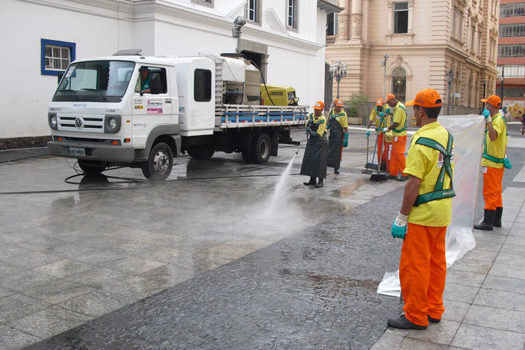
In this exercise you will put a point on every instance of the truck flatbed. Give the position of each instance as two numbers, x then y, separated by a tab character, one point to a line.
246	116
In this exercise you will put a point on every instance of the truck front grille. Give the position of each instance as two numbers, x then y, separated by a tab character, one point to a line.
91	123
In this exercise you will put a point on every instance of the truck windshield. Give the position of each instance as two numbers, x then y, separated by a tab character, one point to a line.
95	81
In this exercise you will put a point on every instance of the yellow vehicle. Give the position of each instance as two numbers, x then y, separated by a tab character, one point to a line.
280	96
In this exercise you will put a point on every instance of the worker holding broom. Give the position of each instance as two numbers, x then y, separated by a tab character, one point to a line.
382	121
425	213
338	126
399	128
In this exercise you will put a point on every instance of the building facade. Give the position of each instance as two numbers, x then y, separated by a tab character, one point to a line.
434	43
511	56
285	37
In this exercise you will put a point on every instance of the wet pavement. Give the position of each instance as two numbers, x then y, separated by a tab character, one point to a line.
200	261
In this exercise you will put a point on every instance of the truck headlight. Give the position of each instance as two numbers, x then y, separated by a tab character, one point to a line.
112	124
52	120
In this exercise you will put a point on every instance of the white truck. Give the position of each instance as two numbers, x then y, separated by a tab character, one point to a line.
137	111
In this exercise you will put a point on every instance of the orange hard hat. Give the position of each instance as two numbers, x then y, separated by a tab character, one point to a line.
428	98
493	100
389	97
339	103
319	105
379	102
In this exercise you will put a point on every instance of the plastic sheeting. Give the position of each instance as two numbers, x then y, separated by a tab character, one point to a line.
468	132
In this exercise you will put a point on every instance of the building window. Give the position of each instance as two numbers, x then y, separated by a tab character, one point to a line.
514	92
493	49
202	85
512	71
457	25
331	24
478	39
512	10
508	30
511	51
399	83
55	56
292	14
253	10
400	17
208	3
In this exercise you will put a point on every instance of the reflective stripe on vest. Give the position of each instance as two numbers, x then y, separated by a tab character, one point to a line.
485	154
439	192
406	118
340	114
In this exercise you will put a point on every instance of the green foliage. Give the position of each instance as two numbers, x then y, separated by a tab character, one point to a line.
352	104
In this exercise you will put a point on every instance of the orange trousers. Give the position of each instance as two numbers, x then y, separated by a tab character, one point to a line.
492	183
398	161
422	272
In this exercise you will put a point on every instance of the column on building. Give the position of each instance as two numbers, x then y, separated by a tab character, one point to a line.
356	22
343	25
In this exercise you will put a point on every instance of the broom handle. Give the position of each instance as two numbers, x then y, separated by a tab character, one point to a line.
375	146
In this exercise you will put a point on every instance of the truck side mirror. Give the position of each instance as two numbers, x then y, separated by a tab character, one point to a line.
59	77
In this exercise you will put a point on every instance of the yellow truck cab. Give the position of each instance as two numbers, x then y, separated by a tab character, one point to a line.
280	96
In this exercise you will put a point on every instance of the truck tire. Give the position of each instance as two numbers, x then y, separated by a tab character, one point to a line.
159	163
260	150
90	168
201	152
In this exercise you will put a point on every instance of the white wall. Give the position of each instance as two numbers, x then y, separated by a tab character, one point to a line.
26	93
180	29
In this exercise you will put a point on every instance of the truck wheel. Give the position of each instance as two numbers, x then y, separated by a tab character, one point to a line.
260	150
159	163
201	152
90	168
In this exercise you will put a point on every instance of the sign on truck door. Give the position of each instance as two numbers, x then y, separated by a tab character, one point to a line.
152	102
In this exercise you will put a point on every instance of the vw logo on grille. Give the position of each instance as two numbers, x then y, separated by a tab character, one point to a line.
78	122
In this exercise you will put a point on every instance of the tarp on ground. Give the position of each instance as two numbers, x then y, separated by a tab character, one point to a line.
468	132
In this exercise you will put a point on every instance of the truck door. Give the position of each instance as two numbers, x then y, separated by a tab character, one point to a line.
152	102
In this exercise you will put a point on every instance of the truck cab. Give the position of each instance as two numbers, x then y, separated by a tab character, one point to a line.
125	110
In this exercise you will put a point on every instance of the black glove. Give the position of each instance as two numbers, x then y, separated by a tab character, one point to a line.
310	131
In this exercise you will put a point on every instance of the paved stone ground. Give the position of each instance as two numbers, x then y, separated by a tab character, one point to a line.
89	248
24	153
315	289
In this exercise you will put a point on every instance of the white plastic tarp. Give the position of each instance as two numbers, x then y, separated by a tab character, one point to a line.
468	132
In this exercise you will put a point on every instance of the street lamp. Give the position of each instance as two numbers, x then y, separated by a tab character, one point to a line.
450	78
236	31
338	70
384	73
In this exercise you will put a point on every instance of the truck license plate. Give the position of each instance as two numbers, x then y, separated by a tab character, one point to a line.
76	151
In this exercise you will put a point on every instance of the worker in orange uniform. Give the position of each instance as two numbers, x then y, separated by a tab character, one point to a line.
382	121
424	216
399	128
338	126
493	162
316	151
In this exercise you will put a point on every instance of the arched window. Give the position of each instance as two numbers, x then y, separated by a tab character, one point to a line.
399	83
